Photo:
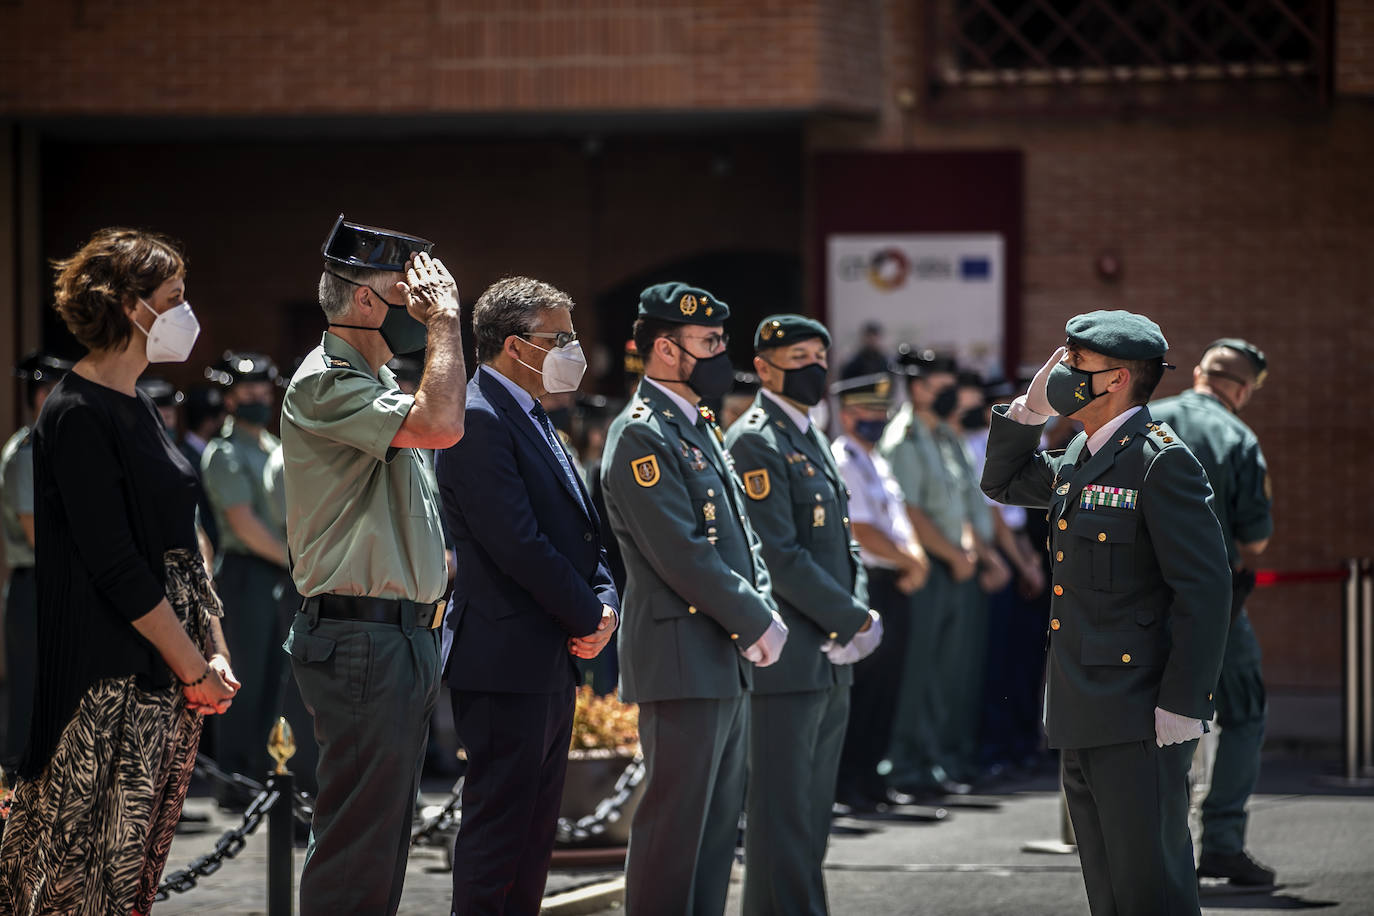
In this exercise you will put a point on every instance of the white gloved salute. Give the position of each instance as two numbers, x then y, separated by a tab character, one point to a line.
1035	400
768	648
1171	728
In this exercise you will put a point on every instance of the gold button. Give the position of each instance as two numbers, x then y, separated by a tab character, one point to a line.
1126	657
1047	516
1059	589
691	609
846	520
710	492
1059	556
1101	535
818	497
1209	696
1063	524
734	636
1054	624
834	635
1168	438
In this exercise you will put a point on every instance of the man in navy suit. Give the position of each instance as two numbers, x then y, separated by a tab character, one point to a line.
532	590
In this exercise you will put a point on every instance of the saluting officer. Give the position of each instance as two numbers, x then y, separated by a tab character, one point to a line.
800	508
698	614
1206	418
39	372
1139	615
367	551
250	568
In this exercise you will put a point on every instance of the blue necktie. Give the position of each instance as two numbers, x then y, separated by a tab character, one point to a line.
537	411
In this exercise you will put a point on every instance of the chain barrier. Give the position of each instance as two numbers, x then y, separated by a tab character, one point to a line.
607	812
431	829
228	846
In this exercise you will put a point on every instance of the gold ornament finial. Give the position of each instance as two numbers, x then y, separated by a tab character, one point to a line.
281	744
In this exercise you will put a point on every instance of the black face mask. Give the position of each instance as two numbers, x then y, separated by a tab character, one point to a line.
711	377
805	384
973	419
254	412
946	401
401	332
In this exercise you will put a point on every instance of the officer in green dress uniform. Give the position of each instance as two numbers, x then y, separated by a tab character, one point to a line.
800	707
926	457
1207	420
367	552
40	372
251	564
1139	615
698	611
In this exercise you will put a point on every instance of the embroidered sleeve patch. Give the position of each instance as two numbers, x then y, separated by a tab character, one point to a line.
646	470
757	484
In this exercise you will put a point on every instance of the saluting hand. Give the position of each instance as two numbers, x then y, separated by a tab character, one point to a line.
1036	399
429	288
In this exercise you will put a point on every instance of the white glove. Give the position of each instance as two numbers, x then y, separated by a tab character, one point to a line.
1171	728
1036	401
846	654
768	647
867	640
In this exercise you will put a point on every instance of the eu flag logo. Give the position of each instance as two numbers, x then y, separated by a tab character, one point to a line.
975	267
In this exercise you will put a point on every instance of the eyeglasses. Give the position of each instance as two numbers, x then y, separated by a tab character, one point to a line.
715	343
560	338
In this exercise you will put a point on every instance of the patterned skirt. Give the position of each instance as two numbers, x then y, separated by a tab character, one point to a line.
90	836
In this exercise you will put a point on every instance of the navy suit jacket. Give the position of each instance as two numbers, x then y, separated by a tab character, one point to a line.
531	570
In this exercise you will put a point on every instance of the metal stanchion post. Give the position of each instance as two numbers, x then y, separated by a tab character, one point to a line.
1356	673
1366	667
1067	844
281	824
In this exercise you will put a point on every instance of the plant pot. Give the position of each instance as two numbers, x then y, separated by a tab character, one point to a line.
591	779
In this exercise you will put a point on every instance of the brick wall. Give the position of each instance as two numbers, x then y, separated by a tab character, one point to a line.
406	56
1354	71
1249	225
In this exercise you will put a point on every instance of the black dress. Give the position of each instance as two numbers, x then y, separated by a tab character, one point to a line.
112	744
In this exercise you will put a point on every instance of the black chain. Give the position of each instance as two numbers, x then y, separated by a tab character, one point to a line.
430	830
608	811
302	804
228	846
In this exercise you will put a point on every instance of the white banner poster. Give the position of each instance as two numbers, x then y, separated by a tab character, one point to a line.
938	292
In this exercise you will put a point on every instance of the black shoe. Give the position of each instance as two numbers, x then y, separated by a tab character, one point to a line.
1239	868
897	797
950	787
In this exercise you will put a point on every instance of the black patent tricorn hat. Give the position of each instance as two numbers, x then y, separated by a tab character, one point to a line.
370	247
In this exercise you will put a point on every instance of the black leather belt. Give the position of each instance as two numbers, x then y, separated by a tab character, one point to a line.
396	611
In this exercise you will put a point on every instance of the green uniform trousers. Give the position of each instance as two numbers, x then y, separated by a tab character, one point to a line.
1129	806
1241	709
919	721
249	588
371	688
795	741
682	838
960	662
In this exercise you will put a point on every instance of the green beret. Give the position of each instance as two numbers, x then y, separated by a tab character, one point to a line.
864	390
683	304
1117	333
783	330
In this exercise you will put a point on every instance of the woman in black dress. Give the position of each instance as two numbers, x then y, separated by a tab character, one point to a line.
130	653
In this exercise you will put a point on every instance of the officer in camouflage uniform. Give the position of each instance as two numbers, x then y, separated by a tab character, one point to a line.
39	372
367	550
1207	420
799	708
1139	615
698	613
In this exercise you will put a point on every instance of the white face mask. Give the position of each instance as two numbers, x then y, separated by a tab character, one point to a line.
563	367
172	335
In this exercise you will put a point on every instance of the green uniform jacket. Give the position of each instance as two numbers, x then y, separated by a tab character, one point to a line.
800	508
1229	452
690	606
1142	590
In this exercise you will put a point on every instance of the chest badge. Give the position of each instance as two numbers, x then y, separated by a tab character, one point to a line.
818	516
757	484
645	470
1063	490
708	512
